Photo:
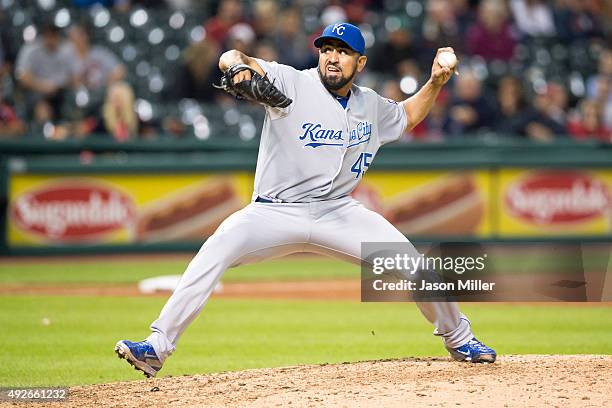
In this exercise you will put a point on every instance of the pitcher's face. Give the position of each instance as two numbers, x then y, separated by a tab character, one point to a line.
338	64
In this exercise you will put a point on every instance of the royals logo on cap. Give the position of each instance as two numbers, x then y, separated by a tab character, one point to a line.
345	32
338	29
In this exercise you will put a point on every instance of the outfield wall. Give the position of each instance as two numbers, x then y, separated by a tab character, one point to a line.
66	199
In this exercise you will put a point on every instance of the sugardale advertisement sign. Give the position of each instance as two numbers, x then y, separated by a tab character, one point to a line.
73	211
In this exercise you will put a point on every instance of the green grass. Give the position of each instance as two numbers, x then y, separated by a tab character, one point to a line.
128	271
131	271
76	348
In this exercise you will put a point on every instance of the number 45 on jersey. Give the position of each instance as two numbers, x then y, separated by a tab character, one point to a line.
361	165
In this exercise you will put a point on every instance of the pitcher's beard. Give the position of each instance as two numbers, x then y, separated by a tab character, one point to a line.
335	83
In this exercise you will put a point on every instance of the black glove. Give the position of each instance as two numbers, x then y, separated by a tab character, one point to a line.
257	89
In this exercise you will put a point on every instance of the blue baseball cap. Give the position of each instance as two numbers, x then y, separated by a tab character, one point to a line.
345	32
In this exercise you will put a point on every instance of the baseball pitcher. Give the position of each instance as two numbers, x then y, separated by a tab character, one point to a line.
320	135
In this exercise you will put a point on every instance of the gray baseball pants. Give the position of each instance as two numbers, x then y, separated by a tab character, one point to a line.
266	230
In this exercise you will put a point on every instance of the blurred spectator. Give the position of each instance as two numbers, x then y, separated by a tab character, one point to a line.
554	102
228	13
265	17
491	36
44	124
606	15
291	41
6	83
240	37
577	20
45	68
440	29
469	110
533	18
512	112
265	50
199	70
2	61
333	13
464	15
96	68
410	68
10	124
399	47
6	47
515	117
356	10
587	123
120	119
540	125
599	86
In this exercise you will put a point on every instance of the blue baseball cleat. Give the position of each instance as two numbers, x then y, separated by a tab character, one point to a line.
473	351
141	355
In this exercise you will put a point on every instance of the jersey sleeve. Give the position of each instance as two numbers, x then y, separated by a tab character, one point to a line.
392	120
284	78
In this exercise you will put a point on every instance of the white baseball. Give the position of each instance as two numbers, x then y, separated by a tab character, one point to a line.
447	59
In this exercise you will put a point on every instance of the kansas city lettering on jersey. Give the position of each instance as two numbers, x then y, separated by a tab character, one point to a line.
360	134
321	137
317	136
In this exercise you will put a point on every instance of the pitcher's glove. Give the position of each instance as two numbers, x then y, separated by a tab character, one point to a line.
257	89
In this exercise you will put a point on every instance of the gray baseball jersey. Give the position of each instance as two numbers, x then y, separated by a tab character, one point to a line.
312	155
315	149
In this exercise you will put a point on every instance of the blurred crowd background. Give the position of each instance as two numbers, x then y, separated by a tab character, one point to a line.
143	69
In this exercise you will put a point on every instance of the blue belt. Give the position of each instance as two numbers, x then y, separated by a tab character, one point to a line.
264	200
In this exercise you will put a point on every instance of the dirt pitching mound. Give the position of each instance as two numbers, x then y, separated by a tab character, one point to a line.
513	381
